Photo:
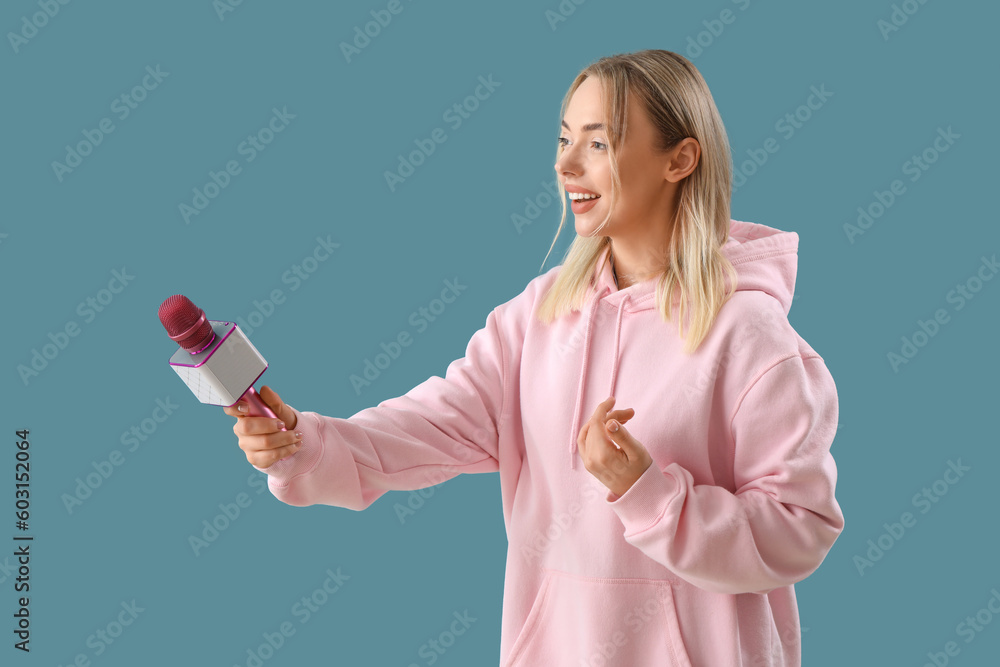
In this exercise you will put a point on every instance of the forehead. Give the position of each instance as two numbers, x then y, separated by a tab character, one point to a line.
586	105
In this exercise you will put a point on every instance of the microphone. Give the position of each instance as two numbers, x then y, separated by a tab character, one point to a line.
215	359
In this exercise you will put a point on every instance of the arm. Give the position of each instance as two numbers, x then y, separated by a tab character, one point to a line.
440	428
782	520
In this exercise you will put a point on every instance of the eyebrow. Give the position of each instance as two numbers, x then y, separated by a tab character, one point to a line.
589	127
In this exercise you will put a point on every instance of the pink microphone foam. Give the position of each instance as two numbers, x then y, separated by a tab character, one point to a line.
186	323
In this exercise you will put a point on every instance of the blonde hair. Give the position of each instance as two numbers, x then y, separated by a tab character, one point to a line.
677	101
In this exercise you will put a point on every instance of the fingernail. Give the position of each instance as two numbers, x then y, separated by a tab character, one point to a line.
242	407
613	425
281	424
298	434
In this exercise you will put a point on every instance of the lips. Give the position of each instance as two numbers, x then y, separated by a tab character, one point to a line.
583	205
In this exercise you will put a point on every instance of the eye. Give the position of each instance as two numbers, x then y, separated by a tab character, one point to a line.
562	141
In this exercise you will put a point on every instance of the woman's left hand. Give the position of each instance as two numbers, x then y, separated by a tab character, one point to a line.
615	467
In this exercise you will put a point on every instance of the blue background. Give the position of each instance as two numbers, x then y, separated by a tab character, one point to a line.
323	176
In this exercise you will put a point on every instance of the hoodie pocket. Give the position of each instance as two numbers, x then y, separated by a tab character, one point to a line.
578	621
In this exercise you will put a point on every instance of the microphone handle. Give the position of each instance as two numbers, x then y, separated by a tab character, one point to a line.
257	406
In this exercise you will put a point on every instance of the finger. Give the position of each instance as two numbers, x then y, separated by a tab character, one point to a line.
257	426
621	437
601	410
271	441
281	409
621	415
235	410
265	459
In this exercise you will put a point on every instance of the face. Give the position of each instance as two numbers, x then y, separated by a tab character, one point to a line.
648	178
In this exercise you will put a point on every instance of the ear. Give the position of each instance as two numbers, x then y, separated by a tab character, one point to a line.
683	159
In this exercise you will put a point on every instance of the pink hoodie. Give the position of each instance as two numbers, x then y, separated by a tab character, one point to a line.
695	564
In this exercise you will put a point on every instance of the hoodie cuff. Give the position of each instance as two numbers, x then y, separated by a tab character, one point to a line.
646	500
280	473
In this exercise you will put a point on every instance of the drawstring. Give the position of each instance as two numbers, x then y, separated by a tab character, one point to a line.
579	389
618	331
578	410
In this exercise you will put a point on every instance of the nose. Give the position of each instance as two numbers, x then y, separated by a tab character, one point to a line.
567	162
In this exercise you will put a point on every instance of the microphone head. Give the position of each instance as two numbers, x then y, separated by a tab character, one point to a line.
186	323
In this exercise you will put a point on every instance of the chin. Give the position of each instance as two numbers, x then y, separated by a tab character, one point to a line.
587	227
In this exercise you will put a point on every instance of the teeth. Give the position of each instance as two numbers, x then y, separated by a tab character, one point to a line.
581	195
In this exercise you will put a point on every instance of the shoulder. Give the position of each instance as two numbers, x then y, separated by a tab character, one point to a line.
523	306
754	326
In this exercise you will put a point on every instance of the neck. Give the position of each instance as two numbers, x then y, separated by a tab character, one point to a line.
624	280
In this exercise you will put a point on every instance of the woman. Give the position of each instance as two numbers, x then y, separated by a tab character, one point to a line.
676	540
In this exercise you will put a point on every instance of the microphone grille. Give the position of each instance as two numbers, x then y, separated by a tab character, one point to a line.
179	315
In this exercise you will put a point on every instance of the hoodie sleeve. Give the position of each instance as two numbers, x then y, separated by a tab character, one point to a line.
778	526
437	430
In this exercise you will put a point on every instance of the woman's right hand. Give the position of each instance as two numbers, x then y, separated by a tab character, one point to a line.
261	437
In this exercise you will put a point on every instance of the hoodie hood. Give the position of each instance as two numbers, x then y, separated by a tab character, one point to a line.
765	259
